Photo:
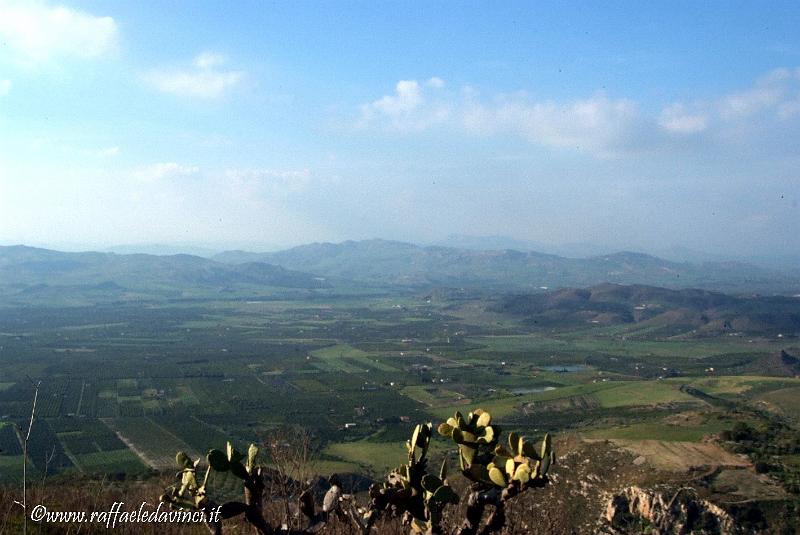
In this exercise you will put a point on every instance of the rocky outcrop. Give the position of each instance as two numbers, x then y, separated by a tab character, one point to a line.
638	510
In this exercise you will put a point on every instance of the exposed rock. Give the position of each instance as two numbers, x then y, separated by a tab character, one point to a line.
589	499
635	510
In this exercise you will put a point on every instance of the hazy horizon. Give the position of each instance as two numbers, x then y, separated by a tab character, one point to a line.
646	127
783	262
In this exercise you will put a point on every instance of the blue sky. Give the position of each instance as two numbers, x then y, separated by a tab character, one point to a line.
253	124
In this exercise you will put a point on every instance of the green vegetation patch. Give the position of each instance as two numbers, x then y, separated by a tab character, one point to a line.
153	441
503	406
642	393
785	401
309	385
346	358
433	396
738	385
378	457
110	462
326	468
618	345
192	374
10	468
517	342
9	441
183	394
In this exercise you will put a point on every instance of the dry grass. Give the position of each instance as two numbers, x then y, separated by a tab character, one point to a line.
673	456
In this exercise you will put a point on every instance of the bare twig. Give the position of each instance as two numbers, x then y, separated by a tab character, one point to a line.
291	452
24	503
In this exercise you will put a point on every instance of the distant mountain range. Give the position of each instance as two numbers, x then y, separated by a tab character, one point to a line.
786	262
399	263
33	274
39	274
657	311
499	243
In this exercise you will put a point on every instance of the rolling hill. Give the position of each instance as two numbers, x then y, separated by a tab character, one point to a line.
398	263
32	273
657	311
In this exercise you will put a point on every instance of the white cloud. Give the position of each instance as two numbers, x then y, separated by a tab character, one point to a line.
678	119
769	92
407	109
436	82
789	108
5	87
600	125
406	99
206	79
597	124
208	60
746	103
37	32
161	171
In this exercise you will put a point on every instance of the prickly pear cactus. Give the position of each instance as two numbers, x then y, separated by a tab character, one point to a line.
189	495
474	435
498	473
410	490
231	461
485	461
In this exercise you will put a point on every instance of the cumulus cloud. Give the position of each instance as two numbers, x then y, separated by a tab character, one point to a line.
165	170
748	117
409	108
768	92
37	32
207	78
600	125
406	99
5	87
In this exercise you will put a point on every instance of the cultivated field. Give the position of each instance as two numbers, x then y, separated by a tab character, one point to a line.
125	387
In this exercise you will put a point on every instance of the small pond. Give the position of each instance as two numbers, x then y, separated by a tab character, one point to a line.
531	390
567	368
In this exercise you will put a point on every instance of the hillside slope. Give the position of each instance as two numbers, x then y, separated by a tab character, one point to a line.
380	261
27	272
657	311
